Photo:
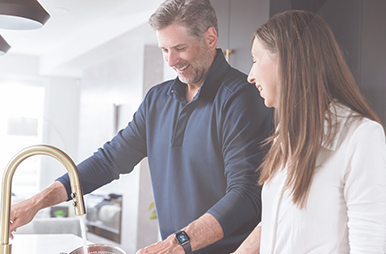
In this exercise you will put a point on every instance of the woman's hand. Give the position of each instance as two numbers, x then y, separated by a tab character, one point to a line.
251	244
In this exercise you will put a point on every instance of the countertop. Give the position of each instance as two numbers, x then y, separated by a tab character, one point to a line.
45	243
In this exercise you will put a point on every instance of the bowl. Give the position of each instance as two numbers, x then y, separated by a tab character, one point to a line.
98	249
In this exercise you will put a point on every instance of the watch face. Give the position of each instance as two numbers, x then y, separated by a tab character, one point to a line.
182	237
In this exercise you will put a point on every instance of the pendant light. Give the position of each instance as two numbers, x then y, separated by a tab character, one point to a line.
4	46
22	14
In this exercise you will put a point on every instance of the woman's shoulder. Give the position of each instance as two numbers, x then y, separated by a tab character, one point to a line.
350	126
362	130
363	126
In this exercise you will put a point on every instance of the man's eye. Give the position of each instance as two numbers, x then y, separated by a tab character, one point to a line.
180	49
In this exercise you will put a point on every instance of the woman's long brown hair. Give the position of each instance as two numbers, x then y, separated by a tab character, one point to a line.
312	73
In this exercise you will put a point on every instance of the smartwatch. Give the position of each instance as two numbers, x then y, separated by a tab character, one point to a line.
183	240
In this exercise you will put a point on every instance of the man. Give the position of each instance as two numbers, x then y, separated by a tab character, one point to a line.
201	133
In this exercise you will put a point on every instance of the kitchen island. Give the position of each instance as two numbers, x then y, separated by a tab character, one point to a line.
45	243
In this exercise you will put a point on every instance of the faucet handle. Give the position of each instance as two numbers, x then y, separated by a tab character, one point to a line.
78	199
73	195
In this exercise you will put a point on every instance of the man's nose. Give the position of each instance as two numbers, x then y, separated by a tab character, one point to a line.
172	59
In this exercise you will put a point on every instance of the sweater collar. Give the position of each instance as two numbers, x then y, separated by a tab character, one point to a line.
216	70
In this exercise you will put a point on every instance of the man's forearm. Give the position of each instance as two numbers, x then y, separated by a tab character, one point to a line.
52	195
204	231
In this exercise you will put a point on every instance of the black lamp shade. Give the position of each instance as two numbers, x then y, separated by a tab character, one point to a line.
22	14
4	46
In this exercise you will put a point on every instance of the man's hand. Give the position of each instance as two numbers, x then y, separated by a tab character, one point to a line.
23	212
202	232
168	246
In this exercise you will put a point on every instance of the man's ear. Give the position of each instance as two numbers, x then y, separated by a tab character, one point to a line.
211	38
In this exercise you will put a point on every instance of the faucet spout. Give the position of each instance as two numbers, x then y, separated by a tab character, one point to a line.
77	193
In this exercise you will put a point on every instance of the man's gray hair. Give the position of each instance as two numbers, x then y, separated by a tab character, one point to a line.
196	15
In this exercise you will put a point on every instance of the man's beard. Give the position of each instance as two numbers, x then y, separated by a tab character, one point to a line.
199	68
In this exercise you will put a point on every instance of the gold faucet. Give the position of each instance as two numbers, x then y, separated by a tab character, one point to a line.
77	194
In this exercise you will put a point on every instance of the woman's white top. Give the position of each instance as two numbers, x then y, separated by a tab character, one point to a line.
346	207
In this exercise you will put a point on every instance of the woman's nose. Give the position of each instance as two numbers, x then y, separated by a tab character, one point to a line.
251	79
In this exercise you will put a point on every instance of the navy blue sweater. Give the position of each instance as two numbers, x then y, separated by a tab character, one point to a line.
202	154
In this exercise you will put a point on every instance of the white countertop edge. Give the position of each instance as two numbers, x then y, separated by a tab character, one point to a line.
45	243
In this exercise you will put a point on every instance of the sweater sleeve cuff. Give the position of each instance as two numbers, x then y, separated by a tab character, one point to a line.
65	180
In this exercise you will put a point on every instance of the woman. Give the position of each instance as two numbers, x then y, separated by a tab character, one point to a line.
325	173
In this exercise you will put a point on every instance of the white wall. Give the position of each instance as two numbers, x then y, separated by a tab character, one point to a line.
148	232
61	124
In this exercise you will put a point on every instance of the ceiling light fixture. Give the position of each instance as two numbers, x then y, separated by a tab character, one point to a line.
4	46
22	14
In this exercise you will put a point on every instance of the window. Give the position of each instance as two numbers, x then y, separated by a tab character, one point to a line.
21	114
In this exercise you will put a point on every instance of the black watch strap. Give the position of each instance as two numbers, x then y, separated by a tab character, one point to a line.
187	248
183	240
